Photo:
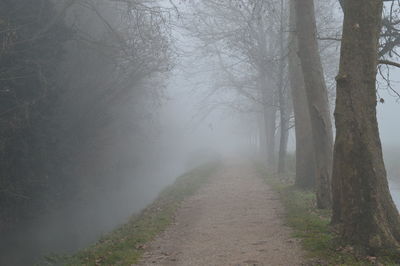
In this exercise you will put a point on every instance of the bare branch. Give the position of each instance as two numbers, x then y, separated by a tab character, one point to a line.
388	62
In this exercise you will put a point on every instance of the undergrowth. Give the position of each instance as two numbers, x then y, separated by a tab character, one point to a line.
125	245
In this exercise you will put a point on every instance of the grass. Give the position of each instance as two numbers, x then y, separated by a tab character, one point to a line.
125	245
311	226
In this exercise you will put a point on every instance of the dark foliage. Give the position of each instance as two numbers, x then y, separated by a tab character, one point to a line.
32	40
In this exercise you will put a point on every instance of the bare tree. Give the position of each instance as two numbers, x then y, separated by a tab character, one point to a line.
363	209
284	109
318	103
245	35
305	156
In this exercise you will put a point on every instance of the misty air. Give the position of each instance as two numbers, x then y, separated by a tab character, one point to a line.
199	132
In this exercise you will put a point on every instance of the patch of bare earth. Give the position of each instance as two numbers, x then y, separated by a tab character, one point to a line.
236	219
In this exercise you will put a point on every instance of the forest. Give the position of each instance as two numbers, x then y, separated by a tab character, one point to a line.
199	132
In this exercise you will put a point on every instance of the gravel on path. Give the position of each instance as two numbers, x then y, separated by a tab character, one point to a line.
235	219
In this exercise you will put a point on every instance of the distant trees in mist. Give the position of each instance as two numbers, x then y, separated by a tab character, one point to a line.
80	81
252	44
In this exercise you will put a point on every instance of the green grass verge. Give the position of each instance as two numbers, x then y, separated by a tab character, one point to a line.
125	245
311	226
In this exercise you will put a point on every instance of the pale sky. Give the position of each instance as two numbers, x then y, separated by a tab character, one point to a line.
389	112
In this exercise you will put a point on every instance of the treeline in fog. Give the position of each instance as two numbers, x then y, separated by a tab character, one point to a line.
322	67
104	102
81	82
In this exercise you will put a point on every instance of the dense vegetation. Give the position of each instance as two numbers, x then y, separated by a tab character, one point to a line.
78	81
32	51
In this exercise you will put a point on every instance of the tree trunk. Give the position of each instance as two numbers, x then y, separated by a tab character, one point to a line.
283	102
261	135
267	92
305	158
363	209
284	133
317	96
269	122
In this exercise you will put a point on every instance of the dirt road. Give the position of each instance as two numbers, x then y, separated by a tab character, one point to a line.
236	219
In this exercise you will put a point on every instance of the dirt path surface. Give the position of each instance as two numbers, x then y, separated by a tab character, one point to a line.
236	219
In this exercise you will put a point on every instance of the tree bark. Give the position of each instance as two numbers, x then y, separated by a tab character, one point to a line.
363	209
305	157
317	97
284	132
262	138
269	122
283	102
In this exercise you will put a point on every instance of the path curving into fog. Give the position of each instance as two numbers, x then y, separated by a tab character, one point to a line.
236	219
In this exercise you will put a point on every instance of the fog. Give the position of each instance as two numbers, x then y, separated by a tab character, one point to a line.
174	133
132	100
389	131
185	138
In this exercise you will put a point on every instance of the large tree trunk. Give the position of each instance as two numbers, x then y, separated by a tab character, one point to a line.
317	96
305	158
363	209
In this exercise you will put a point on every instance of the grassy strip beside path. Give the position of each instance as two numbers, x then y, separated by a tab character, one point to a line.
311	226
125	245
